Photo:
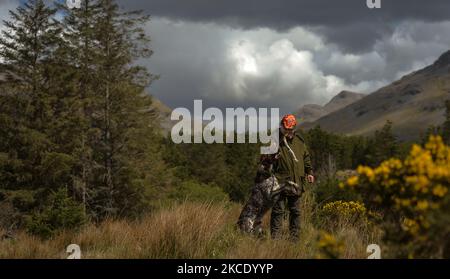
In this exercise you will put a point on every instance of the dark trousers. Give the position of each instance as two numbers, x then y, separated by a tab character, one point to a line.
278	211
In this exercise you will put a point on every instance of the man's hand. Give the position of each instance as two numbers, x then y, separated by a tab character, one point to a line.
310	178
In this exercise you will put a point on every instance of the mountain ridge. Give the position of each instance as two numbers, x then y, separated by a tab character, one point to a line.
312	112
412	103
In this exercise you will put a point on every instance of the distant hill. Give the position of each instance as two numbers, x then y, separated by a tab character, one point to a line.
412	103
310	113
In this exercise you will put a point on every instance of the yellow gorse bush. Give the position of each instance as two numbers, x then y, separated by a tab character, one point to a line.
344	208
328	246
411	193
420	182
336	215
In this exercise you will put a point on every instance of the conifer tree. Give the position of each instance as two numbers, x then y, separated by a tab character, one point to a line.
120	139
78	54
33	164
26	49
385	144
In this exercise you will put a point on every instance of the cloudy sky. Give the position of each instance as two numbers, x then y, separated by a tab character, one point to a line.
285	53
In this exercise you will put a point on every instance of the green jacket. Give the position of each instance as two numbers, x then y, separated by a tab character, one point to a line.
286	168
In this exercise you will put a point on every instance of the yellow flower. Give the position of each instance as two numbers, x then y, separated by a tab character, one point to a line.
416	150
352	181
383	170
422	205
403	202
326	239
366	171
329	246
410	225
440	191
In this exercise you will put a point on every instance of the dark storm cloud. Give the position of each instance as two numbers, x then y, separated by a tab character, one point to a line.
283	14
349	23
355	37
284	53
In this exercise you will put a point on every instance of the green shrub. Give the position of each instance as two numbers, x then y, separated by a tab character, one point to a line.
15	206
60	212
195	191
21	200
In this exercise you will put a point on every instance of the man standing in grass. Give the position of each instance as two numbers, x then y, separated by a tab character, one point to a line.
292	170
280	178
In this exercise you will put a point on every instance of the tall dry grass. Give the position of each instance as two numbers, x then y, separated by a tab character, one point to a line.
188	230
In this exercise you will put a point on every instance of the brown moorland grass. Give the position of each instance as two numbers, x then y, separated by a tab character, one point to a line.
187	230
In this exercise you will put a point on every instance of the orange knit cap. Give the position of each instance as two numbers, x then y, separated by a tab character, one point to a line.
289	122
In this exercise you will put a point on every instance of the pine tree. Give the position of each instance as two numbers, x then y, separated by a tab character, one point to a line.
32	163
78	53
123	141
385	144
26	49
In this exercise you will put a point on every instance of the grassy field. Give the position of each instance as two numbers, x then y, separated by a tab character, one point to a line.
189	230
